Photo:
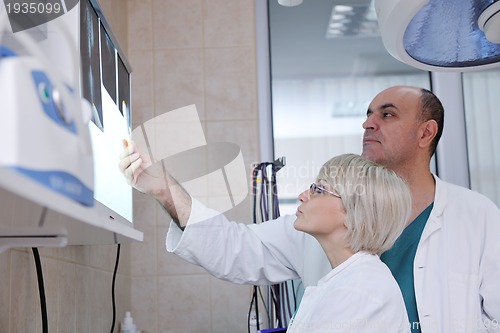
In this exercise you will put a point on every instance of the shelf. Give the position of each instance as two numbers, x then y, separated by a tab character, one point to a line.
33	215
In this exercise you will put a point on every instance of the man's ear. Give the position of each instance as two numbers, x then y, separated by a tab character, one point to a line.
428	131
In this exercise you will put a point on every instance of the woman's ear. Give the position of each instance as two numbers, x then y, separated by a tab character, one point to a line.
345	220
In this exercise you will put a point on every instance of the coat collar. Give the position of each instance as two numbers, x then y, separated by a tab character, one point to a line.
435	222
439	197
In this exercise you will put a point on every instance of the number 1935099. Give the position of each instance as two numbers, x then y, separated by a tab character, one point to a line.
33	8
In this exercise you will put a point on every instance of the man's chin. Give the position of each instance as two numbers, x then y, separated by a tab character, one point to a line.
369	154
372	156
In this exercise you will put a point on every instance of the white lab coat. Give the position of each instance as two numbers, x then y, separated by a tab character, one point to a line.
456	267
358	296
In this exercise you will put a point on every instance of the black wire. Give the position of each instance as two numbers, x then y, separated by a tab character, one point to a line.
248	316
287	300
113	287
41	290
264	303
282	303
250	310
280	297
294	296
256	307
277	304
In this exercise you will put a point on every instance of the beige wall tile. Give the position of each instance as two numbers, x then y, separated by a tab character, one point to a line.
242	213
228	23
177	24
140	25
116	14
170	264
25	302
143	255
100	303
230	84
244	133
26	213
7	207
103	257
174	133
50	252
50	271
142	79
125	259
184	304
145	303
83	298
66	298
178	80
144	210
163	219
5	273
229	303
76	254
123	299
93	300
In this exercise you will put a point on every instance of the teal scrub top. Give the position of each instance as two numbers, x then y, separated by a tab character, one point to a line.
399	258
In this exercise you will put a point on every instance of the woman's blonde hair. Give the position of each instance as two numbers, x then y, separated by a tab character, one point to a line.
377	201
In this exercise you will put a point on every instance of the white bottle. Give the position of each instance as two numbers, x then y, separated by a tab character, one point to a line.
253	322
127	324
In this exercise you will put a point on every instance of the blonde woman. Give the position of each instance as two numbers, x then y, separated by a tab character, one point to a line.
356	210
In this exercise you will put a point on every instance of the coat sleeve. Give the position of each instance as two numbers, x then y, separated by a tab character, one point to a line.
259	254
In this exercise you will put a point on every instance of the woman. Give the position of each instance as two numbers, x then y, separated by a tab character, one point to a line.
356	210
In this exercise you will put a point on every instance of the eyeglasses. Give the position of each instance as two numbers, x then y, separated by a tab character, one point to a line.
315	189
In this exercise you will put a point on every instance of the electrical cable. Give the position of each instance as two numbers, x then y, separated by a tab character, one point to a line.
249	313
113	287
277	304
263	301
256	308
265	208
284	302
290	313
254	216
41	290
250	309
256	300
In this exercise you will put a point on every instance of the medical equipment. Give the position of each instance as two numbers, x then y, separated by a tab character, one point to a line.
279	307
438	35
52	152
44	122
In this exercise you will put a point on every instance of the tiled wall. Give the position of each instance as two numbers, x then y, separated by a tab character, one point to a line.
182	52
186	52
77	279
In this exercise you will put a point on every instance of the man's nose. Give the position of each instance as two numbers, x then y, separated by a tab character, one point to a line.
370	123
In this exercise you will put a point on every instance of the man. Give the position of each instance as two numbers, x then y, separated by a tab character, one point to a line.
446	262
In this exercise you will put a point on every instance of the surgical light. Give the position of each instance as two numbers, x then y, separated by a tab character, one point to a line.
442	35
489	22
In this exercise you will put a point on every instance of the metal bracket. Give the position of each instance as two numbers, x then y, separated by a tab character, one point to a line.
32	237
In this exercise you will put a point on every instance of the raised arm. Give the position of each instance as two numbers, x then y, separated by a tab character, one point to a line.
154	179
